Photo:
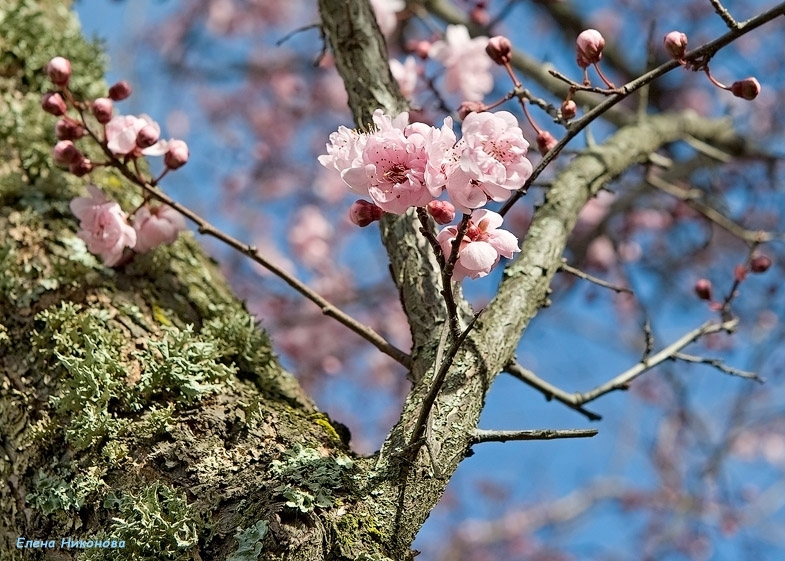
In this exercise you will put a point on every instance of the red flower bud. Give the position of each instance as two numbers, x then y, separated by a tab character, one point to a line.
81	167
363	213
59	70
54	103
65	153
102	109
68	129
499	49
748	89
545	141
443	212
120	91
740	272
568	109
470	107
177	154
589	47
703	289
676	45
760	263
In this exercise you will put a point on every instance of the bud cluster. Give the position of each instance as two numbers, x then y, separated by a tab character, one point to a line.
104	226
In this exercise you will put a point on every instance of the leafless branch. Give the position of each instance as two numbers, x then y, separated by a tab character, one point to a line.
585	276
481	435
724	14
720	365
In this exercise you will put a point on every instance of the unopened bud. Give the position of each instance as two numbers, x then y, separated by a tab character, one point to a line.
589	47
120	91
568	109
177	154
148	136
760	263
81	167
470	107
545	141
59	70
54	103
748	89
102	109
703	289
419	48
740	272
676	45
443	212
65	153
363	213
68	129
499	49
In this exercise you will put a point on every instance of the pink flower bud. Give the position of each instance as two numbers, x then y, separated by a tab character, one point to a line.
703	289
68	129
81	167
760	263
676	45
54	103
748	89
479	15
59	70
177	154
120	91
443	212
740	272
65	153
363	213
147	136
470	107
102	109
545	141
499	49
420	48
589	47
568	109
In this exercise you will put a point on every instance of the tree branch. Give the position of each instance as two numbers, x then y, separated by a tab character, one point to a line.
481	435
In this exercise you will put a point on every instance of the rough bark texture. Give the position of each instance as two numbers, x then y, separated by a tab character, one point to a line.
144	404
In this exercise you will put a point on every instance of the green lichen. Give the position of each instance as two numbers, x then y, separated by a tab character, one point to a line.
309	478
182	366
64	492
155	522
249	542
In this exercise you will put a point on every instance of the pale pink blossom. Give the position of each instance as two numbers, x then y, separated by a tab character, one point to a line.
310	236
492	160
481	247
405	73
344	149
122	132
467	67
385	11
103	226
156	226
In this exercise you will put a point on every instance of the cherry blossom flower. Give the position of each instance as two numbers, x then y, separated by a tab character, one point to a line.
122	133
482	246
344	149
156	226
492	163
385	11
405	73
467	65
103	226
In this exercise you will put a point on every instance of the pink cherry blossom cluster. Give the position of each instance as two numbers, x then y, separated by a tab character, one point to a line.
400	165
103	225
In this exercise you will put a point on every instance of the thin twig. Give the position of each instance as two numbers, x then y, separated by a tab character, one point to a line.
721	366
585	276
548	390
481	435
724	14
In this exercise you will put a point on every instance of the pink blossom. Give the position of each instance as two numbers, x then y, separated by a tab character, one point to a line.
156	226
481	248
122	132
405	73
466	64
344	149
492	162
385	11
311	236
103	226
